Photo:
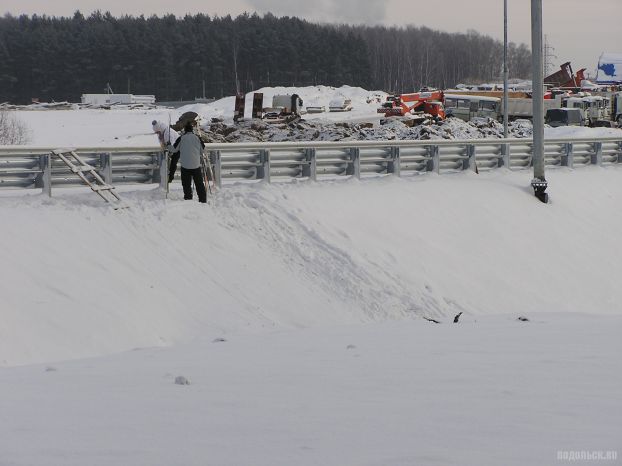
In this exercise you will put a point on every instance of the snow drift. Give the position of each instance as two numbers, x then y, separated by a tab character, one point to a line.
95	281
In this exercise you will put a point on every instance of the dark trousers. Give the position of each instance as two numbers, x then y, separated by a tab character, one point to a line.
187	176
173	167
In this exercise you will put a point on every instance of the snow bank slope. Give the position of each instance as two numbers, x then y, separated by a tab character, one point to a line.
78	279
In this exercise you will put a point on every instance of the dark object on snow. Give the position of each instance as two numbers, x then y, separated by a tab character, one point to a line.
219	340
257	105
227	130
523	319
432	320
457	318
181	380
296	104
556	117
184	119
173	166
238	113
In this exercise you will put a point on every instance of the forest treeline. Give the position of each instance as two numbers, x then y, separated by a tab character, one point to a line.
60	58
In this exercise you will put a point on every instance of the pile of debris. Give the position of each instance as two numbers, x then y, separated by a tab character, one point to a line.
394	129
39	106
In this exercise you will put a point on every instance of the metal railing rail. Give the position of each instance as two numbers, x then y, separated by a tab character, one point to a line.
37	167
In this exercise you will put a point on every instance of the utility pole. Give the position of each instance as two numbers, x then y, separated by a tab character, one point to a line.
538	182
505	71
548	56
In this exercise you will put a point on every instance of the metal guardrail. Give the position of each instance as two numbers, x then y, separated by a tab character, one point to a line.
37	167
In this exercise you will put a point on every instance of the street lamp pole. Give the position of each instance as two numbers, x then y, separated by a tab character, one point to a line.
538	183
505	69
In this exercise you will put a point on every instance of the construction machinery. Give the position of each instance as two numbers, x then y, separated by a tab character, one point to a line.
597	110
565	78
430	102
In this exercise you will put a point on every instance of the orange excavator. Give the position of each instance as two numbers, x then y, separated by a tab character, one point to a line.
417	103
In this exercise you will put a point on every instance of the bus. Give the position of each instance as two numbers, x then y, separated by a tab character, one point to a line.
466	107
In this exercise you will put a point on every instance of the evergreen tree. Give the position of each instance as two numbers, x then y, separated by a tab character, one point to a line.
61	58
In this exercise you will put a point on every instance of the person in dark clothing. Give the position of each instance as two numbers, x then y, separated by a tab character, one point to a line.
190	147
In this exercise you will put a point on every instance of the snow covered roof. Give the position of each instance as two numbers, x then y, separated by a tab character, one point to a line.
609	68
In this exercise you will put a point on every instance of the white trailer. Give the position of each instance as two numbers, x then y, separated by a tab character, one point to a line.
523	108
104	100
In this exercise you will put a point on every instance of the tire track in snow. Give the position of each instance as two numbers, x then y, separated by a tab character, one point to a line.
268	218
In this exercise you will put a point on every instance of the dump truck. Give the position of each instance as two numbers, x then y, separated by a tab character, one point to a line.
597	110
523	108
565	78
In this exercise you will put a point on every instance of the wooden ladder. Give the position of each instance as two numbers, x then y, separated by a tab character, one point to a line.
99	186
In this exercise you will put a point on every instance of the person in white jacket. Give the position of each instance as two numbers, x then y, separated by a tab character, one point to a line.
167	136
190	147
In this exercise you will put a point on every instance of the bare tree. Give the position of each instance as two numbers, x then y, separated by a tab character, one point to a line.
12	130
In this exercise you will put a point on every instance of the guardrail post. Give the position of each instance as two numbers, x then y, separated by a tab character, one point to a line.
45	163
620	152
471	162
214	157
105	162
354	165
434	162
163	164
263	170
394	165
309	170
506	152
597	156
567	158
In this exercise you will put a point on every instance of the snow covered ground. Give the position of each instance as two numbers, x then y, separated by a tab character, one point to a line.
491	392
295	311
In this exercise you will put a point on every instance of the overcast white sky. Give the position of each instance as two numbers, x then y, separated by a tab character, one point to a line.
579	30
